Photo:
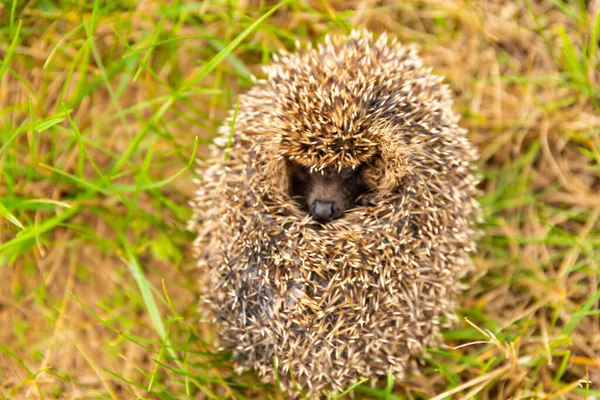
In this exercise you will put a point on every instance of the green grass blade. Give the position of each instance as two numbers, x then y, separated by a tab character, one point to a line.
582	312
92	364
390	384
31	232
6	214
351	389
9	141
216	60
10	52
571	57
164	182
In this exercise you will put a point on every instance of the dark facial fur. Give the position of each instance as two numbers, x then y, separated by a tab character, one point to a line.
328	193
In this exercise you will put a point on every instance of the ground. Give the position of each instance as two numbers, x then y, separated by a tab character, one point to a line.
104	105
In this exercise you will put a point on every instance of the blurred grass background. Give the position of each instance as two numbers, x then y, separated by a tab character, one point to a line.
104	104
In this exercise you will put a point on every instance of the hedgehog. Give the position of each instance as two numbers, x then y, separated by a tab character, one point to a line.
335	216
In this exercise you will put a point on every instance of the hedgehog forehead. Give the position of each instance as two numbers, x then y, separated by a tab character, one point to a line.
328	101
323	119
330	129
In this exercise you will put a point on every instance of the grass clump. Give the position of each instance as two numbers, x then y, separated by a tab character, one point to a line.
104	106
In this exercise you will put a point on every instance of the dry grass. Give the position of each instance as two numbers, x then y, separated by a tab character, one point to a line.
100	105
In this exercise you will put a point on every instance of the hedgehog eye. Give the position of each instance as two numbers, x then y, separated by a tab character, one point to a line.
350	173
298	172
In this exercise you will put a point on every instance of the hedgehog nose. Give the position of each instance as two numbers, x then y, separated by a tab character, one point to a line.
324	211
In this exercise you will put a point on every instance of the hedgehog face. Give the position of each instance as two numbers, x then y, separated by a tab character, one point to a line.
328	193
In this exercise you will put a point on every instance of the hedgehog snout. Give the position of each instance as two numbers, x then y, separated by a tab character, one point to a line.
326	198
324	211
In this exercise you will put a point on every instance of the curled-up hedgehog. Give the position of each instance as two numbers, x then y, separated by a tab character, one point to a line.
333	236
